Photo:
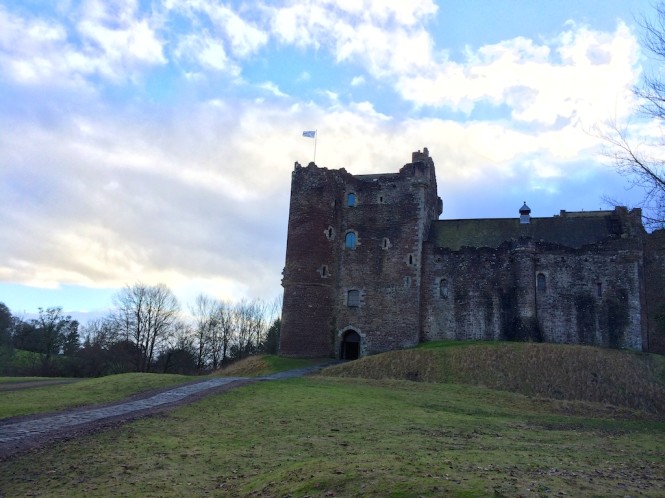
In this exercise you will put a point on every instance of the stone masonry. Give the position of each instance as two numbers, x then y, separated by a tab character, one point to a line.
370	268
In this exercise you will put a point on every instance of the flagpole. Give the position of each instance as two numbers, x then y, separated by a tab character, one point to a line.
316	137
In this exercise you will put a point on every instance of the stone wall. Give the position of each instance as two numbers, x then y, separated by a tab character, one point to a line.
654	272
405	277
590	295
389	218
308	322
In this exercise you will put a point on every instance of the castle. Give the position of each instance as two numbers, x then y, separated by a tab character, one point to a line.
370	268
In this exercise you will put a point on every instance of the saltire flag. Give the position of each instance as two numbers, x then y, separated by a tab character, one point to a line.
309	134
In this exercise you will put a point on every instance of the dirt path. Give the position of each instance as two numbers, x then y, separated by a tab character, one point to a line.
21	434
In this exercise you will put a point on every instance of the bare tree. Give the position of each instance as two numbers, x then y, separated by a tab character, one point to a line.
146	316
643	164
222	334
204	312
251	319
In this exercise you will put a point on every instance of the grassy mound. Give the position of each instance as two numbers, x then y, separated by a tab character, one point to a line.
83	392
582	373
255	366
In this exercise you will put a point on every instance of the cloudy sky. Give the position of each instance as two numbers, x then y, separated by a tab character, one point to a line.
153	140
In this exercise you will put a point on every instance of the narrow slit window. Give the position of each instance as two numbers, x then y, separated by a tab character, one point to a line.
541	282
350	240
353	298
324	271
351	200
410	259
599	289
385	243
443	288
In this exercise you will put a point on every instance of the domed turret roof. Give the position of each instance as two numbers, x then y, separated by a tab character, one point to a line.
525	209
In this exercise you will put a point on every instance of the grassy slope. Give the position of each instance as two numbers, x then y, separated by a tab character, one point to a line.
117	387
556	371
20	380
85	392
255	366
353	437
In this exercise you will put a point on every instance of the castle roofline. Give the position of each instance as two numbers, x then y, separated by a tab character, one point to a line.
580	229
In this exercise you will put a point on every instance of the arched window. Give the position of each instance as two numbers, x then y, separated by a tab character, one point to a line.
443	288
541	282
351	200
353	298
350	240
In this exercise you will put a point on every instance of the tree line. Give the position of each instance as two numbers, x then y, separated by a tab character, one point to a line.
145	331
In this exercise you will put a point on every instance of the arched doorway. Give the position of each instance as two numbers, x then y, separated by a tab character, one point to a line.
350	346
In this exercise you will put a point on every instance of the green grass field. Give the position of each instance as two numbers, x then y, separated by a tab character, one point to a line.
349	437
84	392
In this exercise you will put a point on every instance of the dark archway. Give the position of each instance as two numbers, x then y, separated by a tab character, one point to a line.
350	346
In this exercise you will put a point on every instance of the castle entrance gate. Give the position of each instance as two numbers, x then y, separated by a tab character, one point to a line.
350	346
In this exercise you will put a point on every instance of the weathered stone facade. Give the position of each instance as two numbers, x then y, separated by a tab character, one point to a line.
370	268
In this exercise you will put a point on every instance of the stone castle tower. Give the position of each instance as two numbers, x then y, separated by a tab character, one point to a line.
370	268
353	259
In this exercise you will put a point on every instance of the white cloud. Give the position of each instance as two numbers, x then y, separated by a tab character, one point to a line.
29	49
205	51
358	80
386	37
224	27
272	88
582	76
115	43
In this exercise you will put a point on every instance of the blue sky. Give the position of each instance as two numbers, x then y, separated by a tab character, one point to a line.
153	140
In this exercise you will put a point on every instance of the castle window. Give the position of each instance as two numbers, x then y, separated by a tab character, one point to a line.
353	298
350	240
380	199
410	260
351	200
443	288
324	271
330	233
599	289
386	243
541	282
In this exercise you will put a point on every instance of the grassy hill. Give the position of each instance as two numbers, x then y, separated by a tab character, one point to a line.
255	366
361	429
582	373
